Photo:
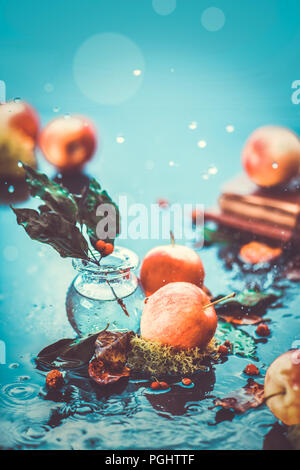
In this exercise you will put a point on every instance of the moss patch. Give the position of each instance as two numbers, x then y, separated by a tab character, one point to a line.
157	360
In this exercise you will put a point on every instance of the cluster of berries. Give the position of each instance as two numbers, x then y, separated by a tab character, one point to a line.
104	248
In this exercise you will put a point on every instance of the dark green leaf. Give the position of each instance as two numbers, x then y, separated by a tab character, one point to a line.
88	204
48	227
68	353
55	196
243	344
249	301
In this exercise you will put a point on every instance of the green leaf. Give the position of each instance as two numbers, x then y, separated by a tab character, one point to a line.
88	203
68	353
249	301
243	344
54	195
48	227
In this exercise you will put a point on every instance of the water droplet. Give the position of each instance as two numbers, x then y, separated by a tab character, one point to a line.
193	125
56	109
205	176
11	189
13	365
275	165
229	128
20	164
137	72
213	170
172	70
202	144
120	140
67	116
48	87
17	100
171	163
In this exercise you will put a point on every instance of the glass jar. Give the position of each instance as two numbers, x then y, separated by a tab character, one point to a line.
106	294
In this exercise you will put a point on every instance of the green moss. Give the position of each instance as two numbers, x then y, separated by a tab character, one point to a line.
158	360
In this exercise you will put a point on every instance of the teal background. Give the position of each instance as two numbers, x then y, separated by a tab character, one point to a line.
239	75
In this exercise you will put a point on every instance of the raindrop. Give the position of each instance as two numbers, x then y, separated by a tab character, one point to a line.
193	125
56	109
11	189
275	165
17	100
202	144
213	170
229	128
137	73
120	140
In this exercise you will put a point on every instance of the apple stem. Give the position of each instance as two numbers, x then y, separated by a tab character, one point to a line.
273	395
233	294
172	238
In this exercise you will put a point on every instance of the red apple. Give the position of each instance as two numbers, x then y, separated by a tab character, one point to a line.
170	263
271	155
175	316
68	142
283	381
21	117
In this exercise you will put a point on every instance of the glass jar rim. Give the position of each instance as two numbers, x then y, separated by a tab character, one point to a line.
120	261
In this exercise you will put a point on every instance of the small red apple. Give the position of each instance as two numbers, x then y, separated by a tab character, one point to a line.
21	117
283	381
170	263
271	155
68	142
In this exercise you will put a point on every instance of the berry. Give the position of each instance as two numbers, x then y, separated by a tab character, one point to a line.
251	369
155	386
164	385
109	248
54	379
100	246
228	344
223	350
186	381
263	330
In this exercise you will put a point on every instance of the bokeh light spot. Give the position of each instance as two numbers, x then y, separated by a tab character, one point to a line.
164	7
103	67
213	19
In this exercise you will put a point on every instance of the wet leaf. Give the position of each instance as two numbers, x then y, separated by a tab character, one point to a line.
56	197
88	203
48	227
67	353
247	302
242	319
109	363
243	344
250	396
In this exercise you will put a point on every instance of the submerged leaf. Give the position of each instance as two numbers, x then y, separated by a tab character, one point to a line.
48	227
88	203
250	396
56	197
242	343
68	353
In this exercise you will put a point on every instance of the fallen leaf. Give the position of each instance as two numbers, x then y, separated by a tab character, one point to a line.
250	396
242	343
109	362
242	319
67	353
248	302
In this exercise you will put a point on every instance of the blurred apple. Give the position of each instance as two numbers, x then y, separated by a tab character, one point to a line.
271	155
68	142
21	117
283	381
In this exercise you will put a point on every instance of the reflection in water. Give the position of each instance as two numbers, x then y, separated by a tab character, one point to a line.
180	400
